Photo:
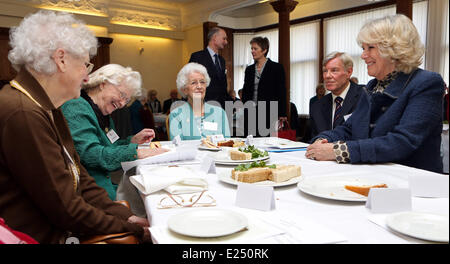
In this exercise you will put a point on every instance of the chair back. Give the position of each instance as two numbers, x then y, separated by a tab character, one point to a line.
167	127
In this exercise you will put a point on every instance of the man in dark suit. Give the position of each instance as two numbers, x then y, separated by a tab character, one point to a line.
215	65
168	103
334	108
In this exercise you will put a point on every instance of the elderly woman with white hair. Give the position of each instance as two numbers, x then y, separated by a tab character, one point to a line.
45	191
195	119
101	151
398	117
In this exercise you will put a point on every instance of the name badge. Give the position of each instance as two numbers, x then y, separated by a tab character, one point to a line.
211	126
112	136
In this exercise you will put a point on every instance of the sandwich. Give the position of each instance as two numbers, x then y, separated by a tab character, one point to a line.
247	153
259	171
228	143
284	173
239	155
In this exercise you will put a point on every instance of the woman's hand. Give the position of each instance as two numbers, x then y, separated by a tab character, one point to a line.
138	220
320	150
143	222
148	152
144	136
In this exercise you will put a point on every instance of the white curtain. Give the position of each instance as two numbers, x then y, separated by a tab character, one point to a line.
437	48
304	64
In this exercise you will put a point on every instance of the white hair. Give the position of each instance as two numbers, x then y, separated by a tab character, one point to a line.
182	77
344	57
116	74
40	34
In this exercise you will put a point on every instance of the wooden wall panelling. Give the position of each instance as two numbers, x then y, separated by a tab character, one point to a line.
7	72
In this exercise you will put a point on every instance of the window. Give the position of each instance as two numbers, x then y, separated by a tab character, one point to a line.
339	35
304	64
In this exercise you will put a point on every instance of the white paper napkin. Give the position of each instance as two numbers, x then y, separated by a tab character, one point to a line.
174	154
175	180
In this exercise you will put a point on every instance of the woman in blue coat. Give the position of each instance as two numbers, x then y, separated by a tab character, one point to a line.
398	117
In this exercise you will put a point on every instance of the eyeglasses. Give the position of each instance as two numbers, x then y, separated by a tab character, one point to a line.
177	201
123	96
89	66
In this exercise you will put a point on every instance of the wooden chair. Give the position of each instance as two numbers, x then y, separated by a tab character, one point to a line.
167	127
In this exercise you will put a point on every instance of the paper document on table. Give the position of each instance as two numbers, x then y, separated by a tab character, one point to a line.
300	230
174	154
281	143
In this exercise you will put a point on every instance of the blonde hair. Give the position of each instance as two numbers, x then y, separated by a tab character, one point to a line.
397	38
115	74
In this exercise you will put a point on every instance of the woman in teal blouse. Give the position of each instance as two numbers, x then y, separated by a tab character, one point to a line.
195	119
93	132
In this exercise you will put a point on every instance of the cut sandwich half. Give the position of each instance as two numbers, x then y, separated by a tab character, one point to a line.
239	155
284	173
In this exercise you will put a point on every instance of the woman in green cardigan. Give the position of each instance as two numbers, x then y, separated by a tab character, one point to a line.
101	151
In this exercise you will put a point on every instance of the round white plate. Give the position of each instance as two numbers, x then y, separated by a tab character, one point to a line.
225	176
332	187
425	226
223	158
207	223
210	149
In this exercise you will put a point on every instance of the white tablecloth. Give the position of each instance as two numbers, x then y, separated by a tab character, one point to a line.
348	219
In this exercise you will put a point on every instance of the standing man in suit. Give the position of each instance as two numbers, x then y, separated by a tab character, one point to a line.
215	65
334	108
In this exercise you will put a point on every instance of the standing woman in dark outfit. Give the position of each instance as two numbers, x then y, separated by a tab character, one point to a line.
264	81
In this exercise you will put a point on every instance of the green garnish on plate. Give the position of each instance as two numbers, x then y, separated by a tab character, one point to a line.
256	153
260	164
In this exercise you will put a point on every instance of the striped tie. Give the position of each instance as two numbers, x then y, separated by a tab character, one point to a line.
338	110
217	63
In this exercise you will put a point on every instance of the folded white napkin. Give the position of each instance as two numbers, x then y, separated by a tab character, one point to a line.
174	154
175	180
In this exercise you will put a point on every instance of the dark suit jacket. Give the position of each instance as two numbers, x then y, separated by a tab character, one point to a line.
321	111
217	89
272	85
167	104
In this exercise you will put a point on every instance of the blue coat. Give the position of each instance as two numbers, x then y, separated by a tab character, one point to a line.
402	125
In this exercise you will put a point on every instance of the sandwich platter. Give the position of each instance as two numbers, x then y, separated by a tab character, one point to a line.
225	176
